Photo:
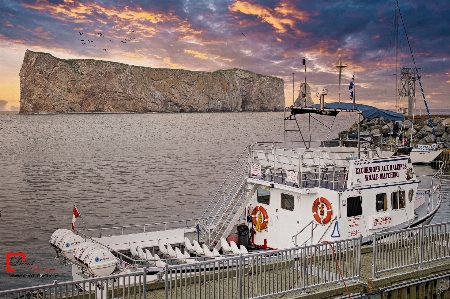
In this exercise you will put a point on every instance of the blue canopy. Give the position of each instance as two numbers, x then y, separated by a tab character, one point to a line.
367	111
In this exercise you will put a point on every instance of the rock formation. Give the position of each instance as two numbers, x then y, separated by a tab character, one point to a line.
52	85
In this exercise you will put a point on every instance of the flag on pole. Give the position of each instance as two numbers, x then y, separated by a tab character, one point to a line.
76	214
350	87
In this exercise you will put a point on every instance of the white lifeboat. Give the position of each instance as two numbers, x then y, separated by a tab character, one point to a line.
57	236
98	260
69	243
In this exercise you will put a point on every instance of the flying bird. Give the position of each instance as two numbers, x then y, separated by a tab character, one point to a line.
81	33
243	34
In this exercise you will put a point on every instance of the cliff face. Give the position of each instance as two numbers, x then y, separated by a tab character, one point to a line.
52	85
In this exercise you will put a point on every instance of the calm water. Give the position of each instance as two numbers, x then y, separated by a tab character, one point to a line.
118	169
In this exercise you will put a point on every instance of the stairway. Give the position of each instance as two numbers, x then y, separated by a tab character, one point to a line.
228	204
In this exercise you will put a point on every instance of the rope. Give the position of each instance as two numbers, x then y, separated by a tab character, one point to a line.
339	268
415	67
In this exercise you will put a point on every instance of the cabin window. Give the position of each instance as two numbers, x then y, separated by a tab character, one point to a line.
263	195
381	202
394	200
401	199
287	201
398	199
354	206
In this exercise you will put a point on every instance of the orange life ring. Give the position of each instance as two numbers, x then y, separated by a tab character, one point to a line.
318	210
259	218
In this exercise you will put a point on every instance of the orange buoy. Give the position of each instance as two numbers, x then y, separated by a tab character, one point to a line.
322	210
259	218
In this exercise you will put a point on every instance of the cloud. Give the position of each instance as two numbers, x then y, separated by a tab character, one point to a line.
14	108
196	54
284	16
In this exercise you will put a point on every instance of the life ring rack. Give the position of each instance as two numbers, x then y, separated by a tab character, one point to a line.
322	210
258	222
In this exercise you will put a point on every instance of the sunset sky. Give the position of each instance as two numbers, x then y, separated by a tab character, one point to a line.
264	36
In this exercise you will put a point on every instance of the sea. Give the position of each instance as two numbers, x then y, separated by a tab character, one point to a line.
118	169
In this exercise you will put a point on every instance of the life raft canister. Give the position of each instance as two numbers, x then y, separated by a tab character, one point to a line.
259	218
322	210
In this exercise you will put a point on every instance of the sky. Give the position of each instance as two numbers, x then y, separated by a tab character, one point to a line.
269	37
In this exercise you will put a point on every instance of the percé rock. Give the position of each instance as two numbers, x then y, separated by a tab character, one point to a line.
52	85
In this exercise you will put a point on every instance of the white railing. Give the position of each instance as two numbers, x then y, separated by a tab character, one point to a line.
259	275
271	273
410	248
124	286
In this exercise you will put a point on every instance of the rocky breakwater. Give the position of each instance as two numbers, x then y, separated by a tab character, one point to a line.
52	85
419	129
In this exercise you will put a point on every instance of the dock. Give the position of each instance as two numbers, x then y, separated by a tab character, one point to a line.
406	264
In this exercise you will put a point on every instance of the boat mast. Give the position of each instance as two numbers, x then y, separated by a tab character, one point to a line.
396	54
340	66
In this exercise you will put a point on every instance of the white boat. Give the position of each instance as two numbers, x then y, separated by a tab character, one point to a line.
278	197
424	154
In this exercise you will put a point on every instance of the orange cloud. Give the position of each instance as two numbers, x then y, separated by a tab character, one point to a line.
196	54
283	16
171	64
122	19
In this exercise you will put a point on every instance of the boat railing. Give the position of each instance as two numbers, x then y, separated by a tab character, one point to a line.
140	228
301	167
221	210
432	195
228	187
311	224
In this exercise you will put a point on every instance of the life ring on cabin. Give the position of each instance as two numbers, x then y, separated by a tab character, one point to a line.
259	218
322	210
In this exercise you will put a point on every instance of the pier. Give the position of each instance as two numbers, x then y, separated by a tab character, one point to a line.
405	264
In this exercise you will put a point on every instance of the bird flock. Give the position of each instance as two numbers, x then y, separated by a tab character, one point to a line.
100	39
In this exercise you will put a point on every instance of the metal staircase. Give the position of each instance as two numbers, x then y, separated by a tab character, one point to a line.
228	204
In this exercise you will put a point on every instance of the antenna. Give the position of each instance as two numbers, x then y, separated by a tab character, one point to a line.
340	65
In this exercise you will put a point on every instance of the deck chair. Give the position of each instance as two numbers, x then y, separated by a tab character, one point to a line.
216	253
133	250
234	248
188	245
170	251
180	256
162	248
141	253
158	262
243	249
225	246
198	249
207	252
188	259
264	162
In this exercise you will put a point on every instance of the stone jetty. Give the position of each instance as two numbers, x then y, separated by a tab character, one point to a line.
419	128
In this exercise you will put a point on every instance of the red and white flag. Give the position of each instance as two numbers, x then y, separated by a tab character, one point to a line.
76	214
